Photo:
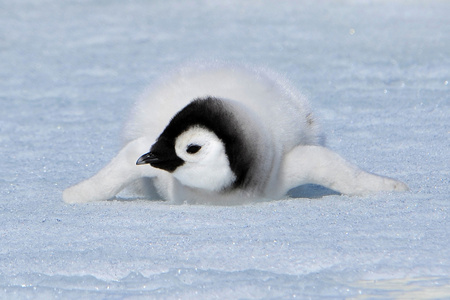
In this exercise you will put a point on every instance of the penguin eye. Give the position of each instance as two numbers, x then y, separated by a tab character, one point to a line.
191	149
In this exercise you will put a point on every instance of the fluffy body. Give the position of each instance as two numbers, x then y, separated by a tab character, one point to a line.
277	143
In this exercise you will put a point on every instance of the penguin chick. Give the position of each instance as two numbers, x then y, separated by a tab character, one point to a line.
224	135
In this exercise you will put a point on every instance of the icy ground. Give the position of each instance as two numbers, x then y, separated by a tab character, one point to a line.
377	74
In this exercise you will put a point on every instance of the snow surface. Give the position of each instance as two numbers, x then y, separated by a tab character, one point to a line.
377	74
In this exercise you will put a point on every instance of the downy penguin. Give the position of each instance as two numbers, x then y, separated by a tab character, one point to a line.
224	135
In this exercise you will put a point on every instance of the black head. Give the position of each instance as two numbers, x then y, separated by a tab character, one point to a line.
214	115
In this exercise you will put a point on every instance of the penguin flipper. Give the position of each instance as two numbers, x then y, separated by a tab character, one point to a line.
116	175
320	165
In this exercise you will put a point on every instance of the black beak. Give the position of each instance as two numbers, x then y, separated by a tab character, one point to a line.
161	157
147	158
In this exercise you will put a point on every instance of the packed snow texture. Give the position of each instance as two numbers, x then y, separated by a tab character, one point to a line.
377	75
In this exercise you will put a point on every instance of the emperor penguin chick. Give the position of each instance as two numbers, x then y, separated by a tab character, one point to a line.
224	135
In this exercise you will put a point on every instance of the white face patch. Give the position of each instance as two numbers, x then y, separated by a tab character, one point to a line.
206	163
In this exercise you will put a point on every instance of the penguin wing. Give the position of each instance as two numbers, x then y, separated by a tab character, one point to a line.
320	165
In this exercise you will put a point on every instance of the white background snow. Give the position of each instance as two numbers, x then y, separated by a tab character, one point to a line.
377	74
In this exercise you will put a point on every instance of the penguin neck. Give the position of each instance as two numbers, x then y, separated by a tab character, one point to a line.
256	159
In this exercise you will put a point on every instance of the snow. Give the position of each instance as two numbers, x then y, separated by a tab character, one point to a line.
377	75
